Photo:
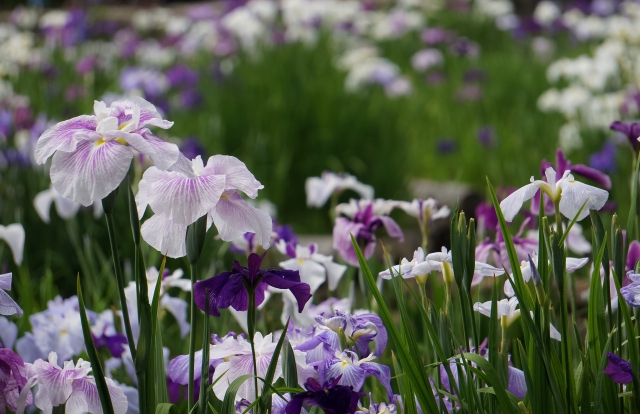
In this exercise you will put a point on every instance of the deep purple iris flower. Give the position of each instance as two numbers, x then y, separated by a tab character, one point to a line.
485	215
230	288
330	397
182	76
630	129
618	369
13	377
114	343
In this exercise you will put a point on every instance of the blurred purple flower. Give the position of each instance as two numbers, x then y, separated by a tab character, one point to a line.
437	35
191	148
486	216
605	159
464	47
74	92
487	136
469	93
446	146
86	64
436	78
150	81
426	58
190	98
474	75
13	377
182	76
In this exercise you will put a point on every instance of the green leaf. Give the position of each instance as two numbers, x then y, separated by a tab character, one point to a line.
159	388
196	233
289	368
271	370
203	402
490	376
632	344
96	366
634	200
526	303
166	408
229	401
407	351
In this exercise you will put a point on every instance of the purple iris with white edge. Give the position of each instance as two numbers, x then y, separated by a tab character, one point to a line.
230	288
92	153
8	306
365	217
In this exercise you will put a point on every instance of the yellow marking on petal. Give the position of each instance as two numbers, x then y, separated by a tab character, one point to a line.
226	197
123	126
122	141
100	142
300	261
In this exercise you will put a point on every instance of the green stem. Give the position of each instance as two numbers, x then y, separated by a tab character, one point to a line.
192	342
120	280
251	322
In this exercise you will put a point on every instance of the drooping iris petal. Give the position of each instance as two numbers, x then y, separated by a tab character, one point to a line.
517	384
181	199
8	306
592	174
14	236
511	205
165	236
42	203
65	136
91	172
233	217
238	175
289	280
220	295
381	372
178	308
618	369
8	332
575	194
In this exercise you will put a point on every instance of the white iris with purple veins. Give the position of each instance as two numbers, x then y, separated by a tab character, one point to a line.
92	153
190	190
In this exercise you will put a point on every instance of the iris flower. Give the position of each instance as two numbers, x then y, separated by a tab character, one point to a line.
66	208
72	386
190	190
92	153
13	378
570	195
331	397
363	222
8	306
230	288
352	370
631	292
314	267
238	361
320	189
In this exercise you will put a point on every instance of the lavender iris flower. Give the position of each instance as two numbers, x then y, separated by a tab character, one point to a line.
363	224
231	288
13	378
630	129
618	369
631	292
330	397
352	370
563	164
92	153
